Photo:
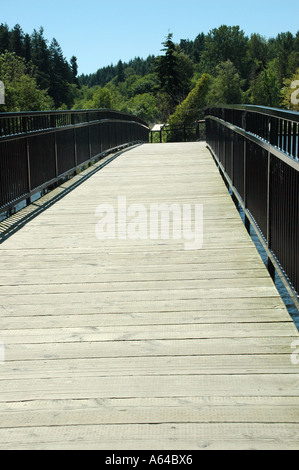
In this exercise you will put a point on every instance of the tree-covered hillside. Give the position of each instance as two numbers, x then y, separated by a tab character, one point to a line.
236	68
44	63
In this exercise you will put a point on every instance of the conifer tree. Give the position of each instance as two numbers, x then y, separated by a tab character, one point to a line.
166	67
189	110
120	72
4	38
74	69
17	41
41	58
27	48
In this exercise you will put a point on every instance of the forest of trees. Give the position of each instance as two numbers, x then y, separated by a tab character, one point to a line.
49	78
222	67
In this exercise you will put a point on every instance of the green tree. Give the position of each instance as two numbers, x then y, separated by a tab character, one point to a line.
191	108
226	43
257	56
284	45
4	38
61	76
102	99
94	98
258	49
22	92
199	46
83	95
265	89
227	86
126	86
74	69
174	70
167	68
147	84
40	57
185	70
290	92
284	52
17	41
120	72
143	106
27	48
193	49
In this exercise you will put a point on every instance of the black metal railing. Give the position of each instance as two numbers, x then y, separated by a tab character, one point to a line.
193	132
38	149
257	150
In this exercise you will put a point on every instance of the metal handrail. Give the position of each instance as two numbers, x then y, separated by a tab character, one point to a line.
274	112
37	150
182	132
262	170
23	122
293	162
278	127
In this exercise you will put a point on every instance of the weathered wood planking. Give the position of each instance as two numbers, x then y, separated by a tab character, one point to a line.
140	344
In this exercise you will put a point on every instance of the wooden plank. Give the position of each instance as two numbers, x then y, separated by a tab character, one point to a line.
151	348
99	366
173	436
59	320
16	278
140	333
155	306
142	296
258	385
122	286
154	411
140	344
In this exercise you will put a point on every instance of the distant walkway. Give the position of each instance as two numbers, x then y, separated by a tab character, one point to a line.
142	344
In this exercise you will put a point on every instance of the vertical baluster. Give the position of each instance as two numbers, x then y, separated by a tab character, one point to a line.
280	134
28	200
285	133
297	139
290	138
294	138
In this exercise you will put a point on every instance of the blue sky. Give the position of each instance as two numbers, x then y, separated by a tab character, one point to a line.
100	32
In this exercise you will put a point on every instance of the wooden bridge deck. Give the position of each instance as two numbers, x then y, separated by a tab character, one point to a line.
126	344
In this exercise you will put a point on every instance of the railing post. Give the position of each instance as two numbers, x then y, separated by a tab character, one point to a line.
270	265
24	124
75	147
53	120
56	154
270	188
197	134
247	222
268	185
34	172
28	200
271	268
89	139
232	159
